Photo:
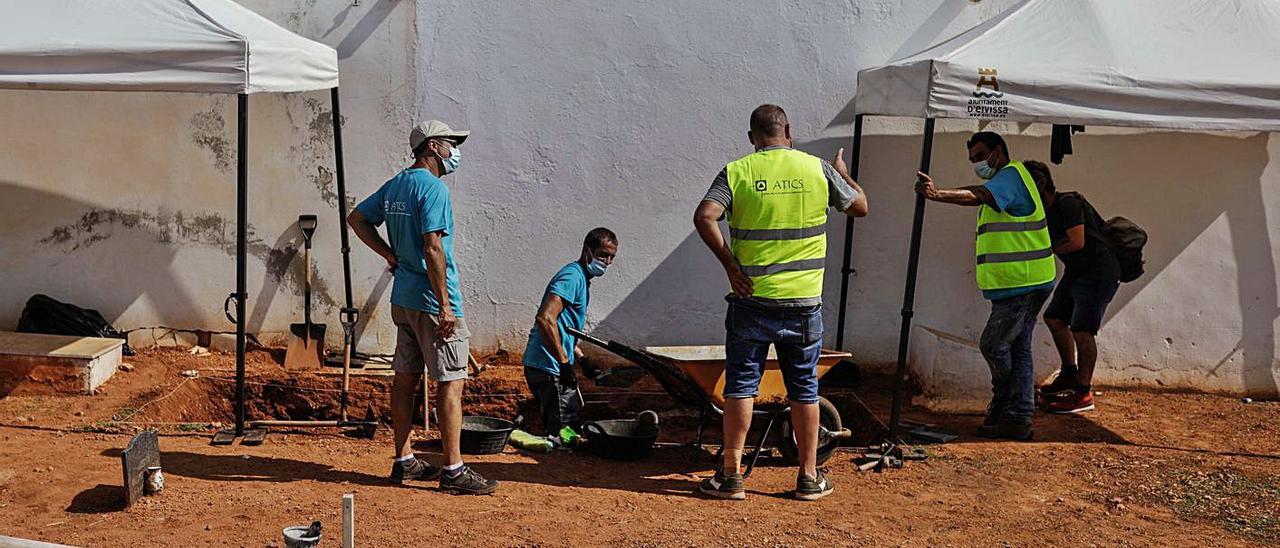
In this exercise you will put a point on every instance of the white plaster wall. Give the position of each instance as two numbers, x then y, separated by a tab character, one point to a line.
618	114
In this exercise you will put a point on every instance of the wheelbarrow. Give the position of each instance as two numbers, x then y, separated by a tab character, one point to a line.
694	377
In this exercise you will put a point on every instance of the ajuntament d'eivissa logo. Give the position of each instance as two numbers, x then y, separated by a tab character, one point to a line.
989	102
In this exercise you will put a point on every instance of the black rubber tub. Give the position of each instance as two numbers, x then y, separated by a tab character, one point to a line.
623	439
485	435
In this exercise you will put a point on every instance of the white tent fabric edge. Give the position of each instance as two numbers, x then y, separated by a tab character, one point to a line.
1177	64
199	46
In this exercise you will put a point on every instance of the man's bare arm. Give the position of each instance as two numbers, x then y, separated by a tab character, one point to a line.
548	329
1073	243
369	235
706	221
859	206
433	252
966	196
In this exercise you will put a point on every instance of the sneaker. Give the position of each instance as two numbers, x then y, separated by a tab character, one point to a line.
1072	403
1005	429
808	488
468	482
1060	384
723	487
416	470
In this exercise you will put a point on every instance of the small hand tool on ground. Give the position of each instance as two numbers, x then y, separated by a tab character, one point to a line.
888	455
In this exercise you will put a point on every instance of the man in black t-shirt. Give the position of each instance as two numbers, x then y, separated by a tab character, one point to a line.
1080	301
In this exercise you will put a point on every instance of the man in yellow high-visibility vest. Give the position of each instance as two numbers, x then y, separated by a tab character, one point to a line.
1015	272
776	200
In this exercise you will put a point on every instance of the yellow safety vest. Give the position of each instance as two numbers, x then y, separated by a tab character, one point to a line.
1014	251
777	226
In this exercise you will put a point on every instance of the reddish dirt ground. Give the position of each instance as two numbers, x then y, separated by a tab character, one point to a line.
1145	469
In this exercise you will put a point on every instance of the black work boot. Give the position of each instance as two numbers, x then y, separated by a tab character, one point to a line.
994	412
1007	429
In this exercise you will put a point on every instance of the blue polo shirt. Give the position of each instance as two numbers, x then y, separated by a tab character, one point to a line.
1011	197
413	203
570	284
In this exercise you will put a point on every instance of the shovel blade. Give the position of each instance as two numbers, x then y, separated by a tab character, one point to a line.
306	348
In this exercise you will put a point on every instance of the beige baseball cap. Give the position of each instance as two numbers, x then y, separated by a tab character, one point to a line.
435	128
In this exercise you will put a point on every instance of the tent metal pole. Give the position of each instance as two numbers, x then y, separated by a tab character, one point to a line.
846	269
909	295
342	195
242	213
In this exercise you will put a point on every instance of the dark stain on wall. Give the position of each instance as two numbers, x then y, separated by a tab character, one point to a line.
208	131
202	229
298	15
317	151
323	180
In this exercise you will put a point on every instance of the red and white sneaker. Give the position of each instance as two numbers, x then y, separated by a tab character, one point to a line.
1071	403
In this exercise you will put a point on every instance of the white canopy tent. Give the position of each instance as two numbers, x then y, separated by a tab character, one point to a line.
1184	64
207	46
1178	64
204	46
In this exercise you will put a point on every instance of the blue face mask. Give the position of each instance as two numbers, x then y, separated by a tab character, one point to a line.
450	164
984	170
596	268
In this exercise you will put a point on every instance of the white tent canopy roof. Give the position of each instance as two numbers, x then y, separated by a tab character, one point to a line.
210	46
1187	64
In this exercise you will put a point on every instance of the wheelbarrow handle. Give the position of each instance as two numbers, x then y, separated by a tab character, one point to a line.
842	433
593	340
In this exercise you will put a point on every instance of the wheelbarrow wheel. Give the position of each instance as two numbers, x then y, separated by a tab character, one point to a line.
828	417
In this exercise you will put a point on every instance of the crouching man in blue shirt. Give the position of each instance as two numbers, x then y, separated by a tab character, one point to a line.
551	352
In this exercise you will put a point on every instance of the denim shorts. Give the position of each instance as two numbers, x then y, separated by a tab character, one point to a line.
796	333
1081	303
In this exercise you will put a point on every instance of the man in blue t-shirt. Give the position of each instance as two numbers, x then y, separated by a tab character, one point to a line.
1006	339
551	352
426	304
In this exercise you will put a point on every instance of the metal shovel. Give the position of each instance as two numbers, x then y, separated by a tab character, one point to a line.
306	348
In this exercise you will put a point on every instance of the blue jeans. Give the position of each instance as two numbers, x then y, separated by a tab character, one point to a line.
795	332
1006	345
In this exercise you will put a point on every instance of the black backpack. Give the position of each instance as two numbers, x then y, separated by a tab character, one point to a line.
1124	238
44	314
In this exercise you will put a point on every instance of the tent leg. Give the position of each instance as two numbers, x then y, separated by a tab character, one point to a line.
846	269
909	295
242	213
342	195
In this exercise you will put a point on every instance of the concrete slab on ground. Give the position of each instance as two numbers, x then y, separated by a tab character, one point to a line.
36	364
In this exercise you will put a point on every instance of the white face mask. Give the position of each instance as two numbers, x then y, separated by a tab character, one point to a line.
984	170
450	164
596	267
